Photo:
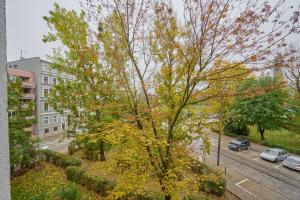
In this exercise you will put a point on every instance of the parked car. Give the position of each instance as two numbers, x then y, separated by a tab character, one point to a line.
274	154
41	147
239	144
292	162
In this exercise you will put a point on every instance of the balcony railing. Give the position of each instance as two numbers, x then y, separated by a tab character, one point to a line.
29	96
28	84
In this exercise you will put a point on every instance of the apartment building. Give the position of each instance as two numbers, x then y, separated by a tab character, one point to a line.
49	121
28	86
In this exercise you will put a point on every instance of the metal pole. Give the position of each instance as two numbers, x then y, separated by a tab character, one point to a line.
4	145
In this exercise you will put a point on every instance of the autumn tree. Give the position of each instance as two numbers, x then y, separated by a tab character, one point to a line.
21	118
86	87
163	68
183	55
292	70
222	90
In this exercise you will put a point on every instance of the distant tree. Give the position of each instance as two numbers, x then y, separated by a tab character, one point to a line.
260	102
292	72
21	117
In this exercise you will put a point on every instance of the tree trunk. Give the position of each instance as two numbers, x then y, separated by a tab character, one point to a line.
262	131
167	197
102	155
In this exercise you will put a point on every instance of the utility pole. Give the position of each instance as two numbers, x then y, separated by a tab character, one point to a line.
221	127
4	145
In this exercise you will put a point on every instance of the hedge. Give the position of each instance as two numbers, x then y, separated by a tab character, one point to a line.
60	160
96	184
211	181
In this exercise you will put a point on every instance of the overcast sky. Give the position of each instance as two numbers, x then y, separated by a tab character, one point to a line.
25	26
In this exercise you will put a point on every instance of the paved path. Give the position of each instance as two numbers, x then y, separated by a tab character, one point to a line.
250	177
57	143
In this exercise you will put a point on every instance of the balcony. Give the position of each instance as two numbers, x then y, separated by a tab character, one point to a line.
28	96
28	84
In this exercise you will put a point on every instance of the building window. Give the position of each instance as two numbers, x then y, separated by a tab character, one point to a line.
46	120
46	92
46	130
46	107
46	79
54	81
45	67
55	119
12	78
55	128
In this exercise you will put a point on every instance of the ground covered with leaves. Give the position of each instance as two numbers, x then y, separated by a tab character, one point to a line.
136	183
45	182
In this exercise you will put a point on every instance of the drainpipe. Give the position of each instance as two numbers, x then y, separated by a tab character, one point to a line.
4	145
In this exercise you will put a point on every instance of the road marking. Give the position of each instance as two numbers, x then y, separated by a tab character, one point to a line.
242	181
256	158
238	185
277	166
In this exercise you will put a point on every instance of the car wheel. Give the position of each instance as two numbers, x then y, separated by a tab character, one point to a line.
276	160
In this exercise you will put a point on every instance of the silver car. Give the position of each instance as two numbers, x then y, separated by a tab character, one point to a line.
292	162
274	154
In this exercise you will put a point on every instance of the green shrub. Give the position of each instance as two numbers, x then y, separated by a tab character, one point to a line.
41	196
96	184
72	147
60	160
71	192
74	173
213	183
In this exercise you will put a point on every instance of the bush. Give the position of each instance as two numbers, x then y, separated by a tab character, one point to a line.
71	192
60	160
145	196
201	168
236	128
96	184
72	147
213	183
41	196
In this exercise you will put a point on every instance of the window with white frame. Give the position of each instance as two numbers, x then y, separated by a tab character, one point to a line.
55	128
46	92
55	119
45	67
46	120
46	130
46	106
46	80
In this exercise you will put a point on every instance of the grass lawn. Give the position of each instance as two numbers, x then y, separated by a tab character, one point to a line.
279	138
47	181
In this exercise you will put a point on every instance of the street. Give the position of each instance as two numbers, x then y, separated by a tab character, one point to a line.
250	177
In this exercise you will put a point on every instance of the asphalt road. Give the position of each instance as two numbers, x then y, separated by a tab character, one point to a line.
250	177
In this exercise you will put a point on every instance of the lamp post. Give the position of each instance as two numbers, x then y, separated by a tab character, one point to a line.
4	145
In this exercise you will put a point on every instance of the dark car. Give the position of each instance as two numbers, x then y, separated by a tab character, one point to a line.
239	144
